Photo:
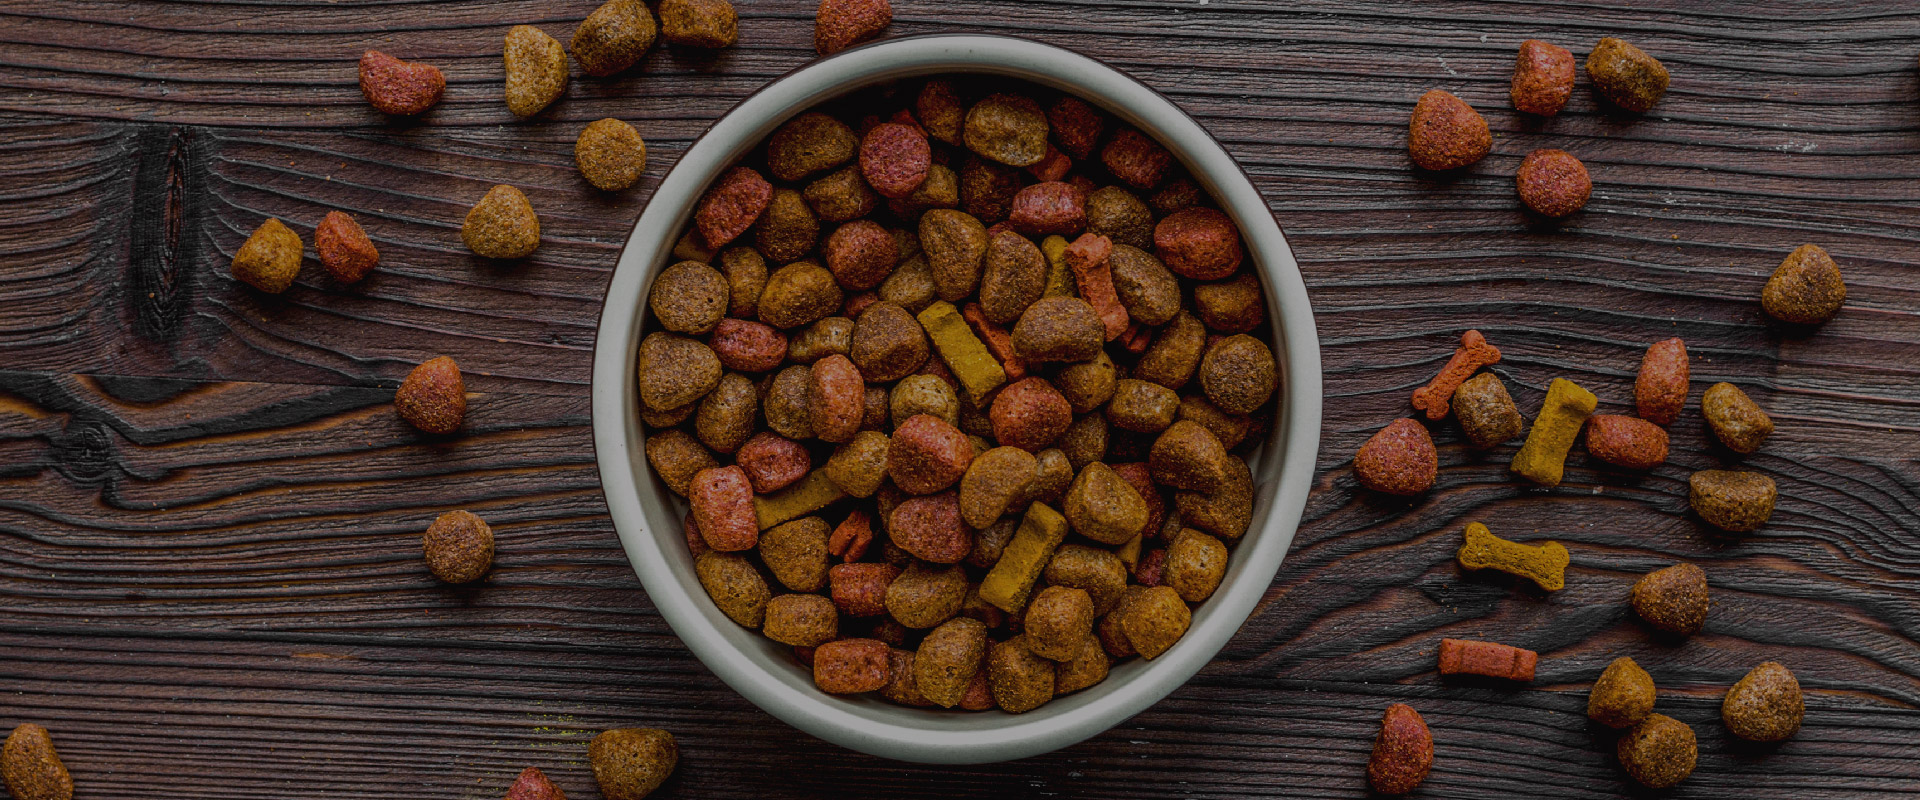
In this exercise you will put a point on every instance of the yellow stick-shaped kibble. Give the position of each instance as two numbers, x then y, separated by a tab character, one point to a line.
807	495
1011	579
1543	458
964	353
1544	564
1060	282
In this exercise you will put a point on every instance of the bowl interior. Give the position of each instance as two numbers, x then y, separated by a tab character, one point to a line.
648	517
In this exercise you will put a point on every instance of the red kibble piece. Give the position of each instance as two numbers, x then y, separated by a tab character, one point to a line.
858	303
861	255
1138	475
533	785
1151	568
852	537
1542	78
852	666
732	206
998	340
344	248
1137	338
836	398
1030	415
1660	392
840	24
1626	441
748	346
696	544
772	462
1087	257
1402	752
895	159
927	455
1553	183
433	397
860	590
1446	133
1399	460
1436	398
930	528
1489	659
1076	126
1134	157
722	499
1045	209
1054	166
1199	243
399	87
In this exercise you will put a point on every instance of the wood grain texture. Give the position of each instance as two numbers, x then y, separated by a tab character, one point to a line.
209	575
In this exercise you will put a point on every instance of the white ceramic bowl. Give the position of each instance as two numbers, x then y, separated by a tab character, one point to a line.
648	517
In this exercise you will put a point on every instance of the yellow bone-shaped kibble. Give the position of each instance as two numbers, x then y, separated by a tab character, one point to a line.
1544	564
1544	455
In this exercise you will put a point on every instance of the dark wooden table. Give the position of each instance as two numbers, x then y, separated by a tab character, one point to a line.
210	581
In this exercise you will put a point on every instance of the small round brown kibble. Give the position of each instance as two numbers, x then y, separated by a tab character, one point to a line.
1626	75
1553	183
270	258
32	768
433	398
1673	599
613	37
1239	374
459	547
1765	706
1806	288
610	153
1659	752
1623	696
629	763
502	225
689	297
699	23
536	67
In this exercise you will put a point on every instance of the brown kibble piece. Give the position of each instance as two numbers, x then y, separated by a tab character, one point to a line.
1625	441
1659	752
1765	706
1673	599
433	398
1542	78
610	154
840	24
852	666
994	483
1008	128
1057	622
1117	214
344	248
798	294
1098	572
1013	274
948	660
1806	288
1399	460
810	143
1238	374
536	67
699	23
1735	419
734	585
400	88
796	553
1142	407
502	225
629	763
1155	620
801	620
1626	75
1195	565
1732	500
1660	390
676	456
675	371
1059	329
1402	751
1021	681
1486	412
1474	352
270	258
1623	696
32	768
1087	668
1446	133
458	547
1553	183
1231	306
926	595
1188	456
613	38
689	297
1103	506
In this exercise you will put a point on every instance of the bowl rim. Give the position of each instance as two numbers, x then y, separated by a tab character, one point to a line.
1284	474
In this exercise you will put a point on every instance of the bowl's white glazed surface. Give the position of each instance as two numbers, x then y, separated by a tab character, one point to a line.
648	517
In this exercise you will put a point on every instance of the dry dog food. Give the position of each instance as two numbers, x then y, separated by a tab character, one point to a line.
1543	457
1734	418
270	258
1806	288
1487	659
534	785
536	67
400	88
1436	397
1402	751
1398	460
1486	412
1732	500
502	225
893	415
1626	441
32	768
1542	78
610	154
629	763
1623	696
343	247
1626	75
1659	752
1446	133
1544	564
458	547
1765	706
840	24
1552	183
433	398
699	23
1660	390
613	37
1673	599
